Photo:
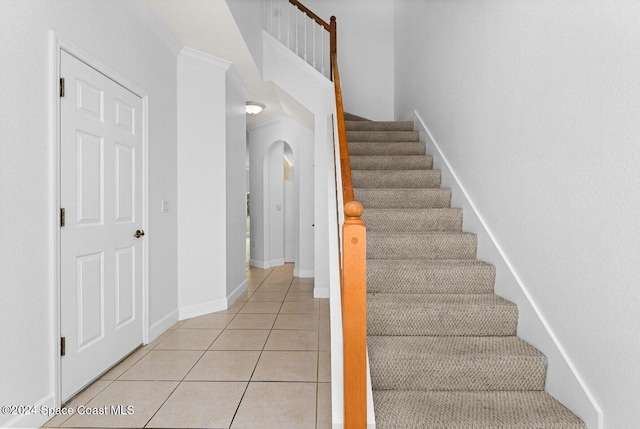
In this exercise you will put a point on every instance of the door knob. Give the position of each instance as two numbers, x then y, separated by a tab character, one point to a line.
139	233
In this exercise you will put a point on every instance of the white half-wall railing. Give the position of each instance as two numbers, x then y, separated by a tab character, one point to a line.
290	23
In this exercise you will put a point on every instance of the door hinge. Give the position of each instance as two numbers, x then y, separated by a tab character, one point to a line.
61	87
63	346
62	217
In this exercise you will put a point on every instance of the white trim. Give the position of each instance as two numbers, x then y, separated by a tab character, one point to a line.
236	81
56	45
37	419
321	292
259	264
154	23
202	308
276	262
271	121
162	325
203	57
486	233
233	296
303	273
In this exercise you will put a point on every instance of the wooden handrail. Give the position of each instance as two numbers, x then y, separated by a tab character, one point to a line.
353	272
310	14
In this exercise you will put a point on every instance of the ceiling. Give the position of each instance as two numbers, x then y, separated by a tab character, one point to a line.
208	26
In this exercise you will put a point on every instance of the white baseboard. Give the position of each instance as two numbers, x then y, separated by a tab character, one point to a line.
162	325
202	308
33	420
259	264
303	274
321	292
563	380
233	296
276	262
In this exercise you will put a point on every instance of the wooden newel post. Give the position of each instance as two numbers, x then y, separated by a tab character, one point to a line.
333	42
354	310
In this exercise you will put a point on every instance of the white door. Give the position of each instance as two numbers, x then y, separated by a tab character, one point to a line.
101	193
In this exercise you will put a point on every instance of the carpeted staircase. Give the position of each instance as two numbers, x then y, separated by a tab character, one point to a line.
442	345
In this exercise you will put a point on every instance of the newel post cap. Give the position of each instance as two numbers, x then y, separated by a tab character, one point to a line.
353	210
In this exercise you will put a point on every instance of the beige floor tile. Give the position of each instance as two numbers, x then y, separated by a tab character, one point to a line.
324	343
324	367
261	307
324	304
292	339
324	406
258	273
189	339
245	296
296	321
277	405
274	287
80	399
163	365
238	339
300	296
233	308
309	307
208	321
145	397
123	366
225	366
200	405
158	340
252	321
286	366
301	288
268	296
253	287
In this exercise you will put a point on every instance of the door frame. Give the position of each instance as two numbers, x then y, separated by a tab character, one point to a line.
57	44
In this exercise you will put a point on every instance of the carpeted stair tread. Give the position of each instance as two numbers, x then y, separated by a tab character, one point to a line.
392	162
403	198
413	220
389	148
455	363
349	117
379	126
396	178
457	276
383	136
440	315
442	347
421	245
406	409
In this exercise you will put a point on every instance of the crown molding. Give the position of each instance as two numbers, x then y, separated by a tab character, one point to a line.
205	58
154	23
237	82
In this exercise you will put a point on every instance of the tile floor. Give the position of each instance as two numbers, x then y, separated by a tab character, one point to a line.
263	363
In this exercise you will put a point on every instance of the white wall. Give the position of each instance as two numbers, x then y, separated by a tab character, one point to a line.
236	187
274	202
261	138
365	53
211	170
113	35
535	106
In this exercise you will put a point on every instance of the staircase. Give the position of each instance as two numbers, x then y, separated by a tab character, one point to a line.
442	346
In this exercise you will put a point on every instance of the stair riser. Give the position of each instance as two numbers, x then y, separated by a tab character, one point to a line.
393	149
383	136
404	198
413	221
444	373
396	178
432	246
416	162
467	320
455	280
378	126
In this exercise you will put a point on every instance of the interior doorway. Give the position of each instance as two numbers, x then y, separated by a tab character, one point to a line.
102	226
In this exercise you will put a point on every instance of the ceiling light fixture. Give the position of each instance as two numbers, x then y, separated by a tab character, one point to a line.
253	107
